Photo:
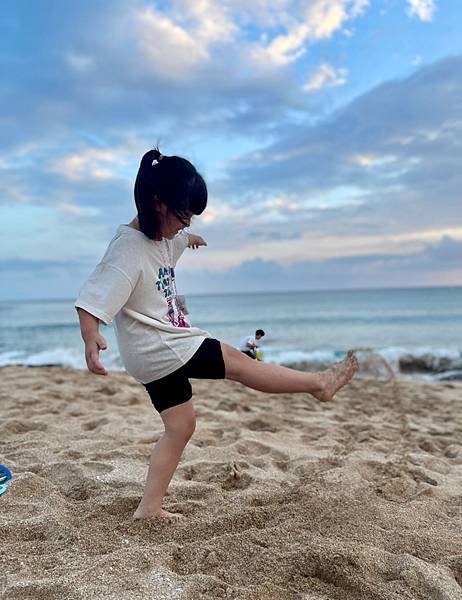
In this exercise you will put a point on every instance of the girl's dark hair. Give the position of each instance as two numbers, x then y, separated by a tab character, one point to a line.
175	182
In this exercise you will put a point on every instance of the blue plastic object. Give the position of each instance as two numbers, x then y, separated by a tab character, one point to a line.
5	474
3	489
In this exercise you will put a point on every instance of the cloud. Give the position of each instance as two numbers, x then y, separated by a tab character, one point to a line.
79	211
89	163
423	267
446	250
42	279
325	76
80	62
372	160
397	144
438	263
129	68
169	49
181	38
366	180
289	177
422	9
314	21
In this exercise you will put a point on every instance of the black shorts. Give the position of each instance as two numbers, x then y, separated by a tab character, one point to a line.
173	389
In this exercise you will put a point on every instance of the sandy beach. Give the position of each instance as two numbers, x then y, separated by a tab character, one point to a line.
283	497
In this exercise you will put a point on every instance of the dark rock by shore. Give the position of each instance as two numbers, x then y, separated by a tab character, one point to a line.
427	363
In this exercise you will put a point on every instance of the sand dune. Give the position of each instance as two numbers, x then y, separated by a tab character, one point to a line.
284	498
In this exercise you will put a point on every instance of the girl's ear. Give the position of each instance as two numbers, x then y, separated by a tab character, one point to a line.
158	205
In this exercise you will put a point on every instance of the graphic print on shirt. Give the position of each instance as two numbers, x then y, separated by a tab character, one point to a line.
165	284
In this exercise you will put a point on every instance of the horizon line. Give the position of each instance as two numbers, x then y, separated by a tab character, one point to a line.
261	292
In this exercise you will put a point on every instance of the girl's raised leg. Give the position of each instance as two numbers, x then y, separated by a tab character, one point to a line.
179	422
277	379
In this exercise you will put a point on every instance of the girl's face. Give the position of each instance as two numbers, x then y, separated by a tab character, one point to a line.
170	224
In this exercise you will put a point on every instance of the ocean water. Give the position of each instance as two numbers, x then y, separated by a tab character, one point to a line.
418	331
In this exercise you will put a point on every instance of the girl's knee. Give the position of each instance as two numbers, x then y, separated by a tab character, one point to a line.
180	421
182	429
189	427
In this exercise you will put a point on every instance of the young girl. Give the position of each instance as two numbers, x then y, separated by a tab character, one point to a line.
134	284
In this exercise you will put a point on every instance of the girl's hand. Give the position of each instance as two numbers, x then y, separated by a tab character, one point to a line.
195	241
92	347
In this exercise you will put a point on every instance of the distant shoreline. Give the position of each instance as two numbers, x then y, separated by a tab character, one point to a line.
300	366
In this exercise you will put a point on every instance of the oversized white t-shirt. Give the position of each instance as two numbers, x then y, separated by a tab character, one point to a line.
243	343
134	285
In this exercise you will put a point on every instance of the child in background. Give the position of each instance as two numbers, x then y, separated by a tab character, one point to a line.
134	286
249	346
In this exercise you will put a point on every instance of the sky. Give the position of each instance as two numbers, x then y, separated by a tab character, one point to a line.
329	133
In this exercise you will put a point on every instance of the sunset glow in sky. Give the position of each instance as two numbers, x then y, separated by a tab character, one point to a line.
329	133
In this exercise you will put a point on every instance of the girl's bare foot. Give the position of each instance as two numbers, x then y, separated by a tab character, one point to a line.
336	377
161	514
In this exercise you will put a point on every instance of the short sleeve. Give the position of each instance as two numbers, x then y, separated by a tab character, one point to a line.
105	292
179	244
112	282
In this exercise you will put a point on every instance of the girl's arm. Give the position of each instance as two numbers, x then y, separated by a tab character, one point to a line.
94	341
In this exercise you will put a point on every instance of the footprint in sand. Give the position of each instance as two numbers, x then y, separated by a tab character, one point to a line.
74	410
20	590
74	454
98	467
188	507
69	479
135	400
228	406
121	506
106	390
252	448
192	490
217	437
453	451
262	425
315	433
17	426
455	564
429	446
230	475
426	580
109	455
437	465
95	424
